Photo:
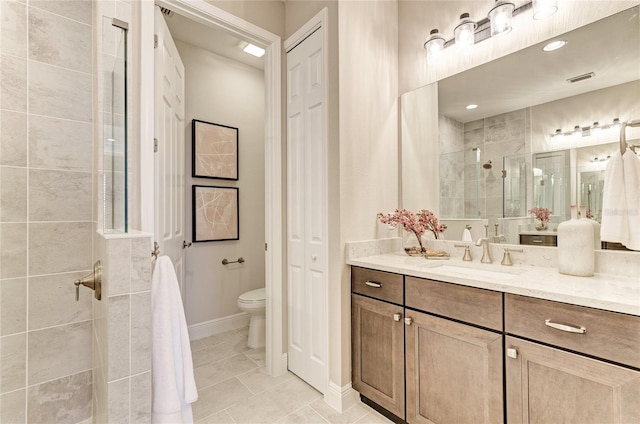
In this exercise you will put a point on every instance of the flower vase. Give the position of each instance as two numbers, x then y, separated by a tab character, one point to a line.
542	226
575	246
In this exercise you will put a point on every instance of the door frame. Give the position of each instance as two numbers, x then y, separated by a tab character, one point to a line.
207	14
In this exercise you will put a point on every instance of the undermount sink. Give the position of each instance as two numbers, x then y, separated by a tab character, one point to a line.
478	271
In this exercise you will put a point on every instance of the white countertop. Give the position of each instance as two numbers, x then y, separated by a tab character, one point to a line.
608	292
539	233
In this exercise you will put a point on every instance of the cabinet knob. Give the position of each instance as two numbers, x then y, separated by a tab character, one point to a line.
408	321
512	353
397	317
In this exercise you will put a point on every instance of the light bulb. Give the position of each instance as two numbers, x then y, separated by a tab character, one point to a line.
465	31
500	17
434	45
542	9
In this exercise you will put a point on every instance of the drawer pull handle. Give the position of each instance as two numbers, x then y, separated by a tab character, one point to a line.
373	284
565	327
397	317
408	321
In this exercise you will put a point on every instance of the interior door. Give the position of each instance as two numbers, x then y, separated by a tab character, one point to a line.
307	212
169	124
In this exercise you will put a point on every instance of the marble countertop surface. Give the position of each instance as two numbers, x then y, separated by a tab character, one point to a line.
602	291
539	233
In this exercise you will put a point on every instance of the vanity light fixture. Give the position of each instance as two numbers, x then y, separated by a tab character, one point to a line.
542	9
434	44
465	31
554	45
498	22
500	17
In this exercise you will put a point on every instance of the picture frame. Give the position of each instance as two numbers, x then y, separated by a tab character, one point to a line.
215	213
214	150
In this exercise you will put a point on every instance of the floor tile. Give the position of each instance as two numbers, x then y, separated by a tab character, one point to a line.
217	372
258	380
218	352
216	398
351	415
258	356
218	418
304	415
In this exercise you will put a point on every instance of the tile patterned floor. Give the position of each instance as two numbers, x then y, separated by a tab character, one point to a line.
234	388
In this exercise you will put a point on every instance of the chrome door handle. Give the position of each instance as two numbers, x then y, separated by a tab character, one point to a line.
373	284
569	328
397	317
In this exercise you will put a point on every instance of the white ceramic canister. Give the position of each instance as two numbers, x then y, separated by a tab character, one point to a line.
596	227
575	246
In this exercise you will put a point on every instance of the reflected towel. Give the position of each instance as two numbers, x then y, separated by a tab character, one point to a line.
621	200
174	387
466	235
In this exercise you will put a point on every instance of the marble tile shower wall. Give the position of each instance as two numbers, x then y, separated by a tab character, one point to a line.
46	218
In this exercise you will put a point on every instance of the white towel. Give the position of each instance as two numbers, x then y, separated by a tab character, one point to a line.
466	235
174	387
621	200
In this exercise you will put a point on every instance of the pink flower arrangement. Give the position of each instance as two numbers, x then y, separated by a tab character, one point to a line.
417	223
541	214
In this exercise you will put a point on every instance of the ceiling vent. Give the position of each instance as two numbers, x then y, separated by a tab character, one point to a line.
168	13
581	77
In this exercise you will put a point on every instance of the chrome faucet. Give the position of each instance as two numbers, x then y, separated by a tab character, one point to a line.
486	253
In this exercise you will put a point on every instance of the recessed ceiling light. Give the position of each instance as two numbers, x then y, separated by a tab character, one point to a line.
471	106
254	50
554	45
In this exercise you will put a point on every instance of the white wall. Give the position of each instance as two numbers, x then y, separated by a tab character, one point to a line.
225	92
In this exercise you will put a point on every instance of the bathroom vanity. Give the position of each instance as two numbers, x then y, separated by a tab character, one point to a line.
469	343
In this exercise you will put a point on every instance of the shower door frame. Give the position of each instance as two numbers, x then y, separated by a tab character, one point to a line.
200	11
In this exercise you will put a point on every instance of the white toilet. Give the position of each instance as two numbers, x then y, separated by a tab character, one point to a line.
253	303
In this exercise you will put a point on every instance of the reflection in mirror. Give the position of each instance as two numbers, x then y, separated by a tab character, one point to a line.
523	98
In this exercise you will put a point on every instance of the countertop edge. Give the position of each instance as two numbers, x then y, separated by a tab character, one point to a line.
537	282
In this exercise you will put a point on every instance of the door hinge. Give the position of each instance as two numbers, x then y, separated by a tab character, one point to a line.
155	145
155	41
265	247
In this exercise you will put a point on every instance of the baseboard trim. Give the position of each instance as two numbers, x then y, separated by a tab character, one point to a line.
218	325
341	398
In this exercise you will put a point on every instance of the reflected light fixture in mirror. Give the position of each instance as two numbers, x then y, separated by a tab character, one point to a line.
465	31
434	44
500	17
542	9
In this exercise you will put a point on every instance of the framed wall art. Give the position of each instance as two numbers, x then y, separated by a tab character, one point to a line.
215	213
214	150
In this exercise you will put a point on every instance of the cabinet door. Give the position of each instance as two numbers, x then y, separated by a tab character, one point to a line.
378	352
547	385
454	372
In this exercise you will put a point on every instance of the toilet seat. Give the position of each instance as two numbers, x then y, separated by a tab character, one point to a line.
253	296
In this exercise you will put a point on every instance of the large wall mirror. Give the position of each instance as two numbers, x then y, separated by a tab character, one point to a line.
499	160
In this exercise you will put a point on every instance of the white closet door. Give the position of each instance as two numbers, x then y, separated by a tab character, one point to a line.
169	158
307	212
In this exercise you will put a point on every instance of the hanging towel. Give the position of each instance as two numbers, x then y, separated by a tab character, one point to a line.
621	200
173	387
466	235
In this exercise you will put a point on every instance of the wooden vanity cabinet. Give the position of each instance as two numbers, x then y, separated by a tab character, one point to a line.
454	370
377	334
547	384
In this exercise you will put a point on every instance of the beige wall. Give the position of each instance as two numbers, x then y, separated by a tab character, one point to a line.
267	14
369	175
229	93
46	223
417	18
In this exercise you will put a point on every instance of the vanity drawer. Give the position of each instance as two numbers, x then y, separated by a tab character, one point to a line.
468	304
377	284
538	240
608	335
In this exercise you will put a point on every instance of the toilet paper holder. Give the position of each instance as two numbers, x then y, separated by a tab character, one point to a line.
226	261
